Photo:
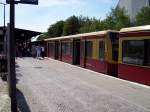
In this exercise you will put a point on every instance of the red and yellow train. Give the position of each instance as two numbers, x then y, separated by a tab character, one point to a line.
134	54
123	54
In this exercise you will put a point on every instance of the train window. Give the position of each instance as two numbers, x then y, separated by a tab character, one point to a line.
51	47
147	52
66	48
82	49
133	52
89	49
102	50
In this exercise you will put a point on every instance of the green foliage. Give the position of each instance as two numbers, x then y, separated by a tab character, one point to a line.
115	20
71	26
56	29
143	17
89	25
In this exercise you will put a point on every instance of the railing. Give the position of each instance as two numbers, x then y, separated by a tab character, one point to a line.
3	66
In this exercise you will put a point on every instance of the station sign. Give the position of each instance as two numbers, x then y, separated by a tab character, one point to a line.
34	2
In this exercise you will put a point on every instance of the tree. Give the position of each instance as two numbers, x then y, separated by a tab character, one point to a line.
89	24
143	17
56	29
71	26
116	20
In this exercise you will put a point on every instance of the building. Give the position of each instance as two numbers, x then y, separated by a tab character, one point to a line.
132	7
21	35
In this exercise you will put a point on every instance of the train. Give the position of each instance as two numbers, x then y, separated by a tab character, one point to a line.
123	54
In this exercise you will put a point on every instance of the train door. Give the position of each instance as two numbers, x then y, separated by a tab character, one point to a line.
56	50
47	51
60	50
113	67
76	52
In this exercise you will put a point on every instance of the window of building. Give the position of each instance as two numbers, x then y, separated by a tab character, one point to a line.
102	50
133	52
89	49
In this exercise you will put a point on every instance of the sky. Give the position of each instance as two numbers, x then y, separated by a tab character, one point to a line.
40	17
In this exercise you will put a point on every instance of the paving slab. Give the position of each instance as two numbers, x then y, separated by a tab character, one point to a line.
52	86
4	98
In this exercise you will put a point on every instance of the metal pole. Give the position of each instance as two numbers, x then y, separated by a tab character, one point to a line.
4	30
4	16
11	57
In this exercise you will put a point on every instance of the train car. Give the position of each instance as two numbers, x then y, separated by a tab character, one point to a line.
61	48
97	51
51	49
134	54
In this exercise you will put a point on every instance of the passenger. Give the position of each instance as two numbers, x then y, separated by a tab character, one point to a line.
20	49
42	51
33	50
38	51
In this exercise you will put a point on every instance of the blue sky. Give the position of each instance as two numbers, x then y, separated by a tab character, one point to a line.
40	17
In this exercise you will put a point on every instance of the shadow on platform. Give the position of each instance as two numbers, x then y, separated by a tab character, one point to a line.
22	103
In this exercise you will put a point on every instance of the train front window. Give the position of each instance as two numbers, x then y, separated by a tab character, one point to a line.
133	51
89	47
102	50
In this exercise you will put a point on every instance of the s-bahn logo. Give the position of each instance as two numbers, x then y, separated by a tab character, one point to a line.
34	2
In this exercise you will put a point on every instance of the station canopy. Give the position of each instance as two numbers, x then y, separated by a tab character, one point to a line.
23	35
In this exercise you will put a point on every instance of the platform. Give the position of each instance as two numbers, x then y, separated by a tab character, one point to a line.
4	98
52	86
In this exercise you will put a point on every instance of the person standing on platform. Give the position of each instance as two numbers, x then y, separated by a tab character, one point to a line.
38	50
33	50
42	51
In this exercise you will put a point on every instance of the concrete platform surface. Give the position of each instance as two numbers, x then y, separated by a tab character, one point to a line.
4	98
52	86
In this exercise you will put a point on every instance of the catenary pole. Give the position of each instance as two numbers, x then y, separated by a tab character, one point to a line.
11	58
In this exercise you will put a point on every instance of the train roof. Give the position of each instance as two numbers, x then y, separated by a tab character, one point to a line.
81	35
134	29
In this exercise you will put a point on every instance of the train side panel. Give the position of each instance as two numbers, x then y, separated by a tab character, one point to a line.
67	51
134	56
134	73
